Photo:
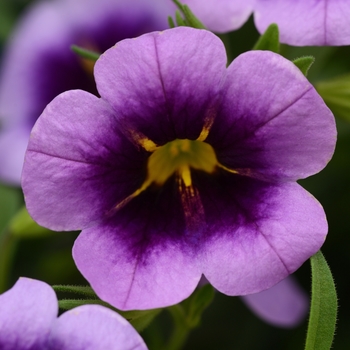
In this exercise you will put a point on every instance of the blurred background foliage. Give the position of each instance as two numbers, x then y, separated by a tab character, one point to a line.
227	323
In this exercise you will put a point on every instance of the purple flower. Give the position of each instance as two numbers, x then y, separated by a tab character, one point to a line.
283	305
39	63
183	167
301	22
28	321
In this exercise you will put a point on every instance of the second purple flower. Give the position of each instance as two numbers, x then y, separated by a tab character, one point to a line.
183	167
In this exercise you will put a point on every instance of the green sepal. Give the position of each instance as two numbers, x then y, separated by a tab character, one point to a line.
84	53
269	41
23	226
139	319
179	20
171	22
197	303
323	312
336	93
304	63
84	291
189	20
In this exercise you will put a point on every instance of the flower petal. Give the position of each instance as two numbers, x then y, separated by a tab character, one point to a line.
83	164
161	84
273	125
284	305
261	233
143	257
27	312
223	15
301	22
93	327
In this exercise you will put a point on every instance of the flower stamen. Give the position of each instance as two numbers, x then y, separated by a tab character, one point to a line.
143	141
208	122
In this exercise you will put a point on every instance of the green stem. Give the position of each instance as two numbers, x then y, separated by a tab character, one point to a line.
8	247
181	329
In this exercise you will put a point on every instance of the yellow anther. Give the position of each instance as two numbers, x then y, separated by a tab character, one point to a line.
148	144
228	169
208	122
143	141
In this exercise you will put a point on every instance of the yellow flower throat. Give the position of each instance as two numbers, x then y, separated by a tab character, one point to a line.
179	156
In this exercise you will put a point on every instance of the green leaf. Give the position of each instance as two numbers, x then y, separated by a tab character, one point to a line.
23	226
304	63
336	93
323	312
269	40
85	291
84	53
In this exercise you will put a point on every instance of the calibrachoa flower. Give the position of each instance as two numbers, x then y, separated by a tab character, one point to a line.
28	320
183	167
301	22
39	63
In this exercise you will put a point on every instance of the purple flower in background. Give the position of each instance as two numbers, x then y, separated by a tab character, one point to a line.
301	22
39	64
28	320
183	167
284	305
221	15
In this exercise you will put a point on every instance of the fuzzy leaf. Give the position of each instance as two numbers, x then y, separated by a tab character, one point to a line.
84	291
323	312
